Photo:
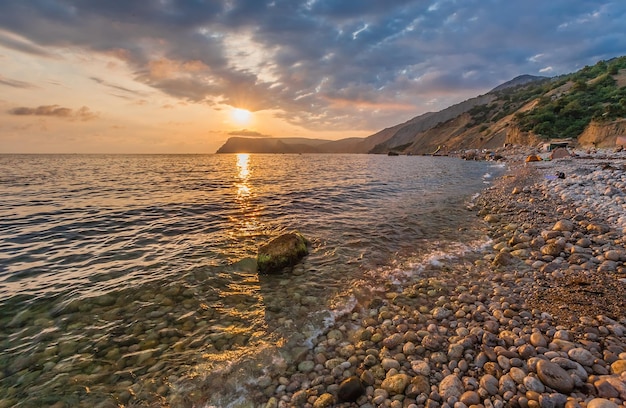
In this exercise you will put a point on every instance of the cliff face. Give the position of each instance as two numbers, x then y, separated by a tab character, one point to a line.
602	134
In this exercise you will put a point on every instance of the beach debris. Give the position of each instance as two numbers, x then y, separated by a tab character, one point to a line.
283	251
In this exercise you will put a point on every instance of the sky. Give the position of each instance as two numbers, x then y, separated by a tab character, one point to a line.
182	76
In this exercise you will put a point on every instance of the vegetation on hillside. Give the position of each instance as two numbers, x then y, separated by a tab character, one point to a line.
593	94
565	105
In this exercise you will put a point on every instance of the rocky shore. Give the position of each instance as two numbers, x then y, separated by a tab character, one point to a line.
537	319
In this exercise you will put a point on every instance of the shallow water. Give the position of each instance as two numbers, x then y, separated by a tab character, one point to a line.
124	278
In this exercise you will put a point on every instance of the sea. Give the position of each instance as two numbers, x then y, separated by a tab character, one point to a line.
130	280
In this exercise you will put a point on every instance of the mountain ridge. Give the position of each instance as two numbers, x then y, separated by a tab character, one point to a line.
526	110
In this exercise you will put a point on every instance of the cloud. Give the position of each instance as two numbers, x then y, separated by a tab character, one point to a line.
83	113
247	133
118	87
18	43
16	83
325	64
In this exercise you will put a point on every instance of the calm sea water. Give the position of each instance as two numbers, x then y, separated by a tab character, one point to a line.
131	279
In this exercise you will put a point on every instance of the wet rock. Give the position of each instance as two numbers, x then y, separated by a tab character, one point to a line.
283	251
350	389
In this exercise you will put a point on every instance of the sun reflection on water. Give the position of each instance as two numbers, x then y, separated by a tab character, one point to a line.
243	160
247	220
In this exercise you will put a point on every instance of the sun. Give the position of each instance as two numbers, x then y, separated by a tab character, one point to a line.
241	116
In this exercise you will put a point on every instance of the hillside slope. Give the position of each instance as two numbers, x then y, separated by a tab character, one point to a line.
588	107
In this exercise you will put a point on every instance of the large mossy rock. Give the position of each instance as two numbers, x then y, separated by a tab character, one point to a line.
281	252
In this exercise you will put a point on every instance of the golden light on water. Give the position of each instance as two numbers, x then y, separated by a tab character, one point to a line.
242	165
247	223
243	170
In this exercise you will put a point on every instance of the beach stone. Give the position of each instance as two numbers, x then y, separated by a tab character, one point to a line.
324	401
299	398
393	341
552	249
611	386
440	313
470	398
613	255
533	384
420	367
503	259
517	374
507	384
490	384
538	340
395	384
554	376
492	218
283	251
390	363
605	389
306	366
450	386
563	225
433	342
618	367
367	377
582	356
419	385
350	389
601	403
408	348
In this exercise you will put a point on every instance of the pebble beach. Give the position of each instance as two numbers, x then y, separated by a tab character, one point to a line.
537	318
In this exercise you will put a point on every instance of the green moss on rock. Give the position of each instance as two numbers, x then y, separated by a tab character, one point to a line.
281	252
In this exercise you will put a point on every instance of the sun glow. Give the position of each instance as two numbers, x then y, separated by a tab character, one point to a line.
241	116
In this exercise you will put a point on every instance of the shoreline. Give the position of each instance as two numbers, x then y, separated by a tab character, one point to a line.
535	320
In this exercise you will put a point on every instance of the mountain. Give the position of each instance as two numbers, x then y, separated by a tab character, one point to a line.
290	145
518	81
588	106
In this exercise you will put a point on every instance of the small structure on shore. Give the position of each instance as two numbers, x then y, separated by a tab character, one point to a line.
560	153
281	252
556	144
